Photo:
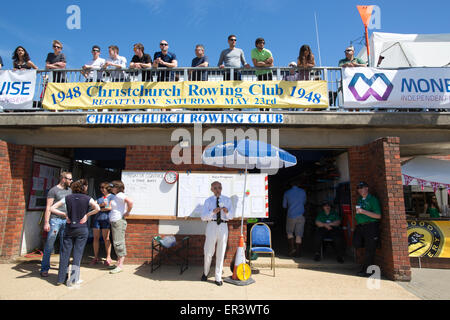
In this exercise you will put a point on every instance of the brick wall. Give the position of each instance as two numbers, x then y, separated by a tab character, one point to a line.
378	163
140	232
15	175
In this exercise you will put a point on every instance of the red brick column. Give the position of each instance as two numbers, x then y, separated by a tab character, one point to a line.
140	232
378	163
15	175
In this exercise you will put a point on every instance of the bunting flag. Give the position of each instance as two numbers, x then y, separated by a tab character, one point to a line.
421	183
408	179
435	185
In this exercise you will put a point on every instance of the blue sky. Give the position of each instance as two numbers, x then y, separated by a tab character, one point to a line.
285	25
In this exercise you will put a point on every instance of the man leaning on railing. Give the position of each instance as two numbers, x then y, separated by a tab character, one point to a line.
56	60
95	64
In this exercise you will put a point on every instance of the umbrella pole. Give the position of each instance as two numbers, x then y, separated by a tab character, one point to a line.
243	201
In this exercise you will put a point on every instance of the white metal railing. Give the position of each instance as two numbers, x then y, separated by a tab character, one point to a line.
332	75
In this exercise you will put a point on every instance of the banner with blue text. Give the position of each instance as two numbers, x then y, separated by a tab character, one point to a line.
186	94
17	89
402	88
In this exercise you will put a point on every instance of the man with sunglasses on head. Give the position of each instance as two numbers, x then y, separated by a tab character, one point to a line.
232	58
164	59
262	57
95	64
53	223
217	211
56	60
350	60
141	60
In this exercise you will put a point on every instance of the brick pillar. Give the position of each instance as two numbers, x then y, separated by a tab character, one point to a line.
140	232
378	163
15	179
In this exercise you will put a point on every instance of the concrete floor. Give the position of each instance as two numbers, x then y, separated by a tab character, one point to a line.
21	280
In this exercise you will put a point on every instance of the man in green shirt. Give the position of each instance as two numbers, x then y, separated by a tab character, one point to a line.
262	57
328	226
350	60
367	232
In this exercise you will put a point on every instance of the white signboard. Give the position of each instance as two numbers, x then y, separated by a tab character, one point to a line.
151	194
195	188
17	89
402	88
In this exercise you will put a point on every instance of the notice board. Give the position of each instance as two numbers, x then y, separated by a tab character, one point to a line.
44	178
195	188
151	194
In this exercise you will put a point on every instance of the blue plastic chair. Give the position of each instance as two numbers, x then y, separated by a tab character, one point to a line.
261	242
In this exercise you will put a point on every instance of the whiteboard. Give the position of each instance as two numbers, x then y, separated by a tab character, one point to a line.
195	188
151	194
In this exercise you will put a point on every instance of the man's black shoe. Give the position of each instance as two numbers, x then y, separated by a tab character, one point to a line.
340	259
219	283
44	274
317	257
204	278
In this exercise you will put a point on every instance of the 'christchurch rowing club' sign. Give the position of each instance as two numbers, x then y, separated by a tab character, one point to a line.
188	118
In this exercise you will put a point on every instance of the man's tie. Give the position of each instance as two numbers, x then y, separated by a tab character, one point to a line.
219	220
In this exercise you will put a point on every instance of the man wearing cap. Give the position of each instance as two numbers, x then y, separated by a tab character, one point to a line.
367	231
328	226
350	60
294	201
217	211
293	74
95	64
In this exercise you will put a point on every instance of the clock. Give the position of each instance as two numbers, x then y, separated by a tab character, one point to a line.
171	177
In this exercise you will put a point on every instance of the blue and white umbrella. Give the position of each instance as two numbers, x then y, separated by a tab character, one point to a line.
247	154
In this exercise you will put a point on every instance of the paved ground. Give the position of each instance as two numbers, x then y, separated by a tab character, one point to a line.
22	281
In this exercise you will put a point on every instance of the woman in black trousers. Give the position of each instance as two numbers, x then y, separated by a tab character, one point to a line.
78	204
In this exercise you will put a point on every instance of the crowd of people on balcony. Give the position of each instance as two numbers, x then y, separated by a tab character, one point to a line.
232	57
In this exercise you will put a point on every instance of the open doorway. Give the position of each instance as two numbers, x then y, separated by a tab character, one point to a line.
324	175
96	165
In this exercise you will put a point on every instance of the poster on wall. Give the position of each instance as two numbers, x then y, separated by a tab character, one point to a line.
429	239
43	179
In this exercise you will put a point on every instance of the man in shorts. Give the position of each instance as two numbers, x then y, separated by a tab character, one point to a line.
294	201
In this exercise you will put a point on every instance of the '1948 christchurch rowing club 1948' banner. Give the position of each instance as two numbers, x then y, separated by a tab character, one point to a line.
402	88
186	94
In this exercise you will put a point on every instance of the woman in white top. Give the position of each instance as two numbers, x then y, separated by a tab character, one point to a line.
121	206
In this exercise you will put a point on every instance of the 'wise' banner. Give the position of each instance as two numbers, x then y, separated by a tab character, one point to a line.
403	88
17	89
186	94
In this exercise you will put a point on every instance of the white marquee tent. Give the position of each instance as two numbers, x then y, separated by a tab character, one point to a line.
408	50
428	170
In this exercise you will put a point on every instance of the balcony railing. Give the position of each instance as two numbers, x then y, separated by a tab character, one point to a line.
332	75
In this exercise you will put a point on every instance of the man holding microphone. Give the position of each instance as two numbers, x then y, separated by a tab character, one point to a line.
217	211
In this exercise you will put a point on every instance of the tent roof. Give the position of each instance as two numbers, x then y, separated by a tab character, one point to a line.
408	50
431	170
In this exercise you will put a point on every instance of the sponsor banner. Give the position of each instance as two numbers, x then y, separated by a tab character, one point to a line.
429	239
187	118
186	94
412	87
17	89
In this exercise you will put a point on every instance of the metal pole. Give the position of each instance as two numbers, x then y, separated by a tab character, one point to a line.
243	201
367	45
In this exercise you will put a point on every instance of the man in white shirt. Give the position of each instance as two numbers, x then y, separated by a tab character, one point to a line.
115	62
217	211
95	64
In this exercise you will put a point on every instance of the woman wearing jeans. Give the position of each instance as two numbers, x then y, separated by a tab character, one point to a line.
76	230
121	206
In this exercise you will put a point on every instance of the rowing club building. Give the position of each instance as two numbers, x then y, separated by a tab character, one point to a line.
343	126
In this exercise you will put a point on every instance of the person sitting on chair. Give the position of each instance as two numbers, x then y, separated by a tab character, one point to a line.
328	223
